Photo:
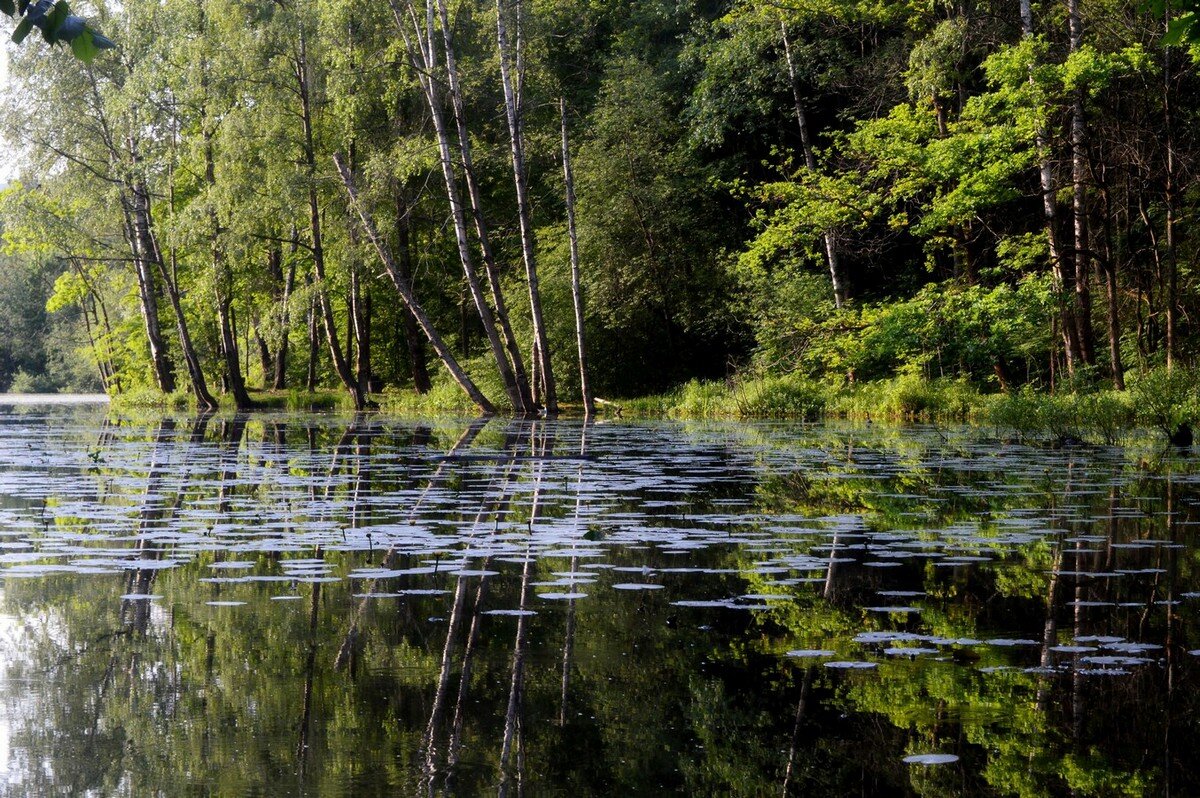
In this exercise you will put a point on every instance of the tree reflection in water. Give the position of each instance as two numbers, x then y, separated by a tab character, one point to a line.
366	606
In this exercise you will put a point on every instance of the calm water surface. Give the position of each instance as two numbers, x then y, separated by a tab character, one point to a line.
339	606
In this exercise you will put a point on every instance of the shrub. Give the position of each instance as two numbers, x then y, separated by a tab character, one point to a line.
1167	401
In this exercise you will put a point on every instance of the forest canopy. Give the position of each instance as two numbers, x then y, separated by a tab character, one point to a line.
310	194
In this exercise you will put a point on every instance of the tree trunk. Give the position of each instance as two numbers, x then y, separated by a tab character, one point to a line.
223	287
521	382
314	345
144	224
1109	268
1082	259
513	112
164	372
204	399
422	55
810	161
279	382
340	364
589	403
404	288
360	317
1172	298
413	340
1066	315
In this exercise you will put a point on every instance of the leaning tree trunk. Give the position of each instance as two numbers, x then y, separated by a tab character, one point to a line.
422	54
589	402
513	112
164	371
404	289
474	194
148	244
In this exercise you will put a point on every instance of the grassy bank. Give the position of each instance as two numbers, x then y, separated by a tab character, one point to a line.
1166	402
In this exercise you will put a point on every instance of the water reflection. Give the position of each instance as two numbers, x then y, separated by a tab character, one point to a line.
283	605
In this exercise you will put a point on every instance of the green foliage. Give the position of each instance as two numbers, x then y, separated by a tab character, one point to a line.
909	397
1064	417
1167	400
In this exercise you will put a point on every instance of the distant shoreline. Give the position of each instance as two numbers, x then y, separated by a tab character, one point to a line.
53	398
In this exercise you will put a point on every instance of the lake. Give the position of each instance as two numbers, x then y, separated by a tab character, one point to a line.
359	606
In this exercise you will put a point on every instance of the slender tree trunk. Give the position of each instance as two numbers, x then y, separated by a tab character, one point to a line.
360	320
119	160
513	112
340	364
810	161
422	53
1172	298
362	337
148	245
223	287
279	382
413	339
100	313
589	402
474	194
204	399
164	372
314	345
404	289
1109	268
1082	259
1066	315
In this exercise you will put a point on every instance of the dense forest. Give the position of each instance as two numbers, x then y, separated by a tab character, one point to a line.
308	194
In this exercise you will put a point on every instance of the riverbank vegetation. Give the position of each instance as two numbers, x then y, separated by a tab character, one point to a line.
947	211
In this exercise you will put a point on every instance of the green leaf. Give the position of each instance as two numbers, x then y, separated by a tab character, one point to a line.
54	20
84	47
1179	30
8	7
22	30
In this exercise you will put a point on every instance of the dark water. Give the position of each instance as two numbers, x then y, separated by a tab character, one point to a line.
291	605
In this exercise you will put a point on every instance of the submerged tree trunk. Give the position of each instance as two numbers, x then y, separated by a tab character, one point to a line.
513	113
404	289
589	402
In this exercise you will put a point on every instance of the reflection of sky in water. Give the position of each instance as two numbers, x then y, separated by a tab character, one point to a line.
854	564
